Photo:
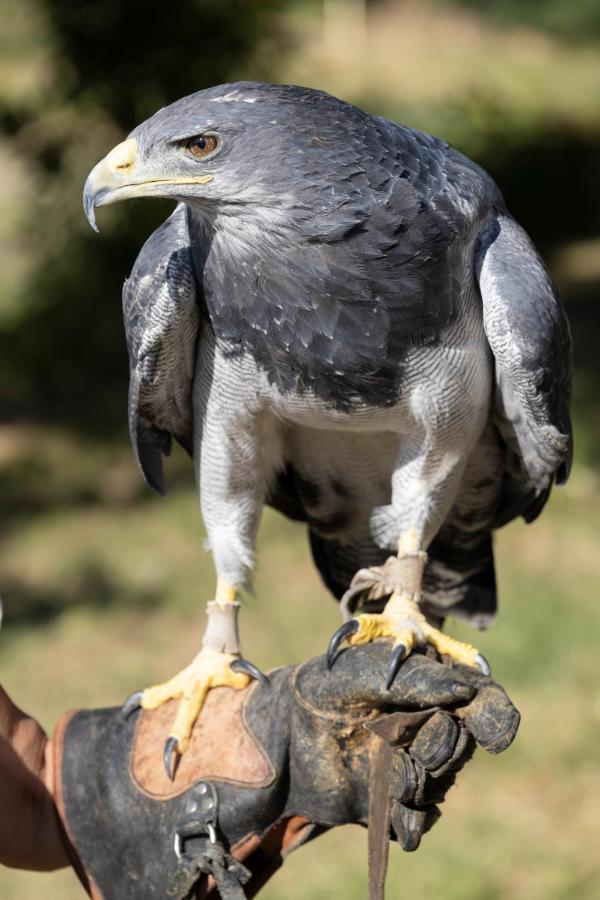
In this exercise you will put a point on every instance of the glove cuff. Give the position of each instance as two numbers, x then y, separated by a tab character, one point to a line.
54	762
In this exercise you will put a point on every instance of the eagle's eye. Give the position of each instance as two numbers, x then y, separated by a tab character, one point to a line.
202	145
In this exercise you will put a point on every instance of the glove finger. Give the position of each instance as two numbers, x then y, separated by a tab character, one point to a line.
404	778
424	682
491	717
434	783
421	791
435	742
358	677
462	753
410	824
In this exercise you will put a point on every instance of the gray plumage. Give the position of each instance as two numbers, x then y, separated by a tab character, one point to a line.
162	318
347	324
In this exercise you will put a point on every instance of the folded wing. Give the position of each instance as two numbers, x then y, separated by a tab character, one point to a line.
162	321
528	333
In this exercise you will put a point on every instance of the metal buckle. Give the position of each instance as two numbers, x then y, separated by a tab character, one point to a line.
178	842
199	816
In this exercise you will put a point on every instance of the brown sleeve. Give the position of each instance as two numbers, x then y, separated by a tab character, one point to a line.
30	832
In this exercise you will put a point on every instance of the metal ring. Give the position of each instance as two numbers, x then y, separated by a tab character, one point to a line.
177	845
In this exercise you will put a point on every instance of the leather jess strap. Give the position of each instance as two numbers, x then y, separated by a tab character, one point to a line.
263	856
379	819
394	731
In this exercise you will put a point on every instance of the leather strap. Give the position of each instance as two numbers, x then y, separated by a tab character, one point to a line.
393	731
379	818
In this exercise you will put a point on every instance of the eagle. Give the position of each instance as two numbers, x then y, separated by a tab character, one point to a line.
340	319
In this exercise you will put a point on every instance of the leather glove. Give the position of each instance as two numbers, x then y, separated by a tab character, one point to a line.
270	767
267	769
431	719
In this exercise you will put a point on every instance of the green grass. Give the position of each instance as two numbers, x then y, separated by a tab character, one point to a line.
104	587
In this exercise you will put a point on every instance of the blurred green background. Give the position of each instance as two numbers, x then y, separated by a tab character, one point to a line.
103	583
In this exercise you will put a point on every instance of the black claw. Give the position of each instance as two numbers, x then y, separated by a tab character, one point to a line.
133	702
343	632
398	654
244	665
171	753
482	664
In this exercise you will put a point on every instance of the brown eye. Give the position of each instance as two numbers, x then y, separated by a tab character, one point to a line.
202	146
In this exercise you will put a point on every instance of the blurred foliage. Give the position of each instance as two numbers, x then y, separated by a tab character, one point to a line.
578	20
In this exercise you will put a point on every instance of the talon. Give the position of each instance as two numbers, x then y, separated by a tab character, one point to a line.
209	669
402	617
399	653
248	668
344	631
133	702
482	664
171	753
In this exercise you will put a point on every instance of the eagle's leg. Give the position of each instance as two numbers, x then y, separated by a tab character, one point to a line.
231	480
401	618
218	664
428	475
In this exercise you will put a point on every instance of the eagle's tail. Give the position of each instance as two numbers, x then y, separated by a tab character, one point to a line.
461	580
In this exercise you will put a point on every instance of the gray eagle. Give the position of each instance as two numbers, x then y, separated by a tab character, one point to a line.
340	319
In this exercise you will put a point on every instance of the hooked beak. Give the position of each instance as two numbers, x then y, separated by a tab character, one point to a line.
119	176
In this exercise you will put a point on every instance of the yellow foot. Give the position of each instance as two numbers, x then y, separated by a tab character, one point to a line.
209	669
403	621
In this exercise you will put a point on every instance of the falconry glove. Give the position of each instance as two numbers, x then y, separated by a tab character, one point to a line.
267	769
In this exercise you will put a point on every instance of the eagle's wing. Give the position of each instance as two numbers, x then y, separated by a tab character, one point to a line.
162	321
528	333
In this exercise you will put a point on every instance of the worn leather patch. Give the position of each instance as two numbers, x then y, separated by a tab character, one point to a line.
222	747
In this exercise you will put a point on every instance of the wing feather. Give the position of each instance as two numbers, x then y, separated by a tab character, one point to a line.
162	321
528	332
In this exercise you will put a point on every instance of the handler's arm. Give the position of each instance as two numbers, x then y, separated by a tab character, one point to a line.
31	834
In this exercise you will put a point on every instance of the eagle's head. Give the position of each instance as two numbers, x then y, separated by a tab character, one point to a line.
243	145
